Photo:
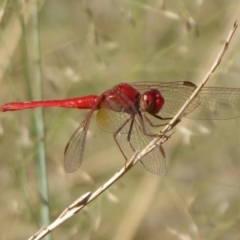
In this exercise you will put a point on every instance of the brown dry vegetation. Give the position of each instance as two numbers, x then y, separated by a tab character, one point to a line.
87	47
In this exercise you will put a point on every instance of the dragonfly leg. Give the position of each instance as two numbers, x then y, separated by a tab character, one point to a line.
158	117
142	126
144	130
115	138
129	134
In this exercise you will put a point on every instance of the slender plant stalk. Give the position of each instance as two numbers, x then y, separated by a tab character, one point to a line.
21	177
39	118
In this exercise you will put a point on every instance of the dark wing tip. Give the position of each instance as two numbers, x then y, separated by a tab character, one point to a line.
189	84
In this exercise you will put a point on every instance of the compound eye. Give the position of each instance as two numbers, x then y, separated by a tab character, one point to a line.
151	101
147	102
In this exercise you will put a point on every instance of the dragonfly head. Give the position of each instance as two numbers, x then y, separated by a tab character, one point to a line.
151	101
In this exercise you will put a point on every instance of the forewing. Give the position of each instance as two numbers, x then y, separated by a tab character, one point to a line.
216	103
73	154
210	103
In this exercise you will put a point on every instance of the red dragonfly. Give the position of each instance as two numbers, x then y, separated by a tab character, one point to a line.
132	111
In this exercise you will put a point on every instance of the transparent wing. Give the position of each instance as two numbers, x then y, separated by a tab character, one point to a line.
153	162
211	102
111	121
216	103
73	154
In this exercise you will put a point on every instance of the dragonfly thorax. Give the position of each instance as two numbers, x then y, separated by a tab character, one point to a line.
122	98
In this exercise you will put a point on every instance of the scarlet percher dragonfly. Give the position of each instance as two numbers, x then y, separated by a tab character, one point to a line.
132	111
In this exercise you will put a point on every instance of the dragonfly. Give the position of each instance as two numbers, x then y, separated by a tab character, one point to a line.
133	111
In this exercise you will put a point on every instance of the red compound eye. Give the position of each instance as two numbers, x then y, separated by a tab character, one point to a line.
151	101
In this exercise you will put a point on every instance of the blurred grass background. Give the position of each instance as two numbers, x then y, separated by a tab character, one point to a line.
87	47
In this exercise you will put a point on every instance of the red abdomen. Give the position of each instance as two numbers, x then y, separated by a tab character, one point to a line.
86	102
